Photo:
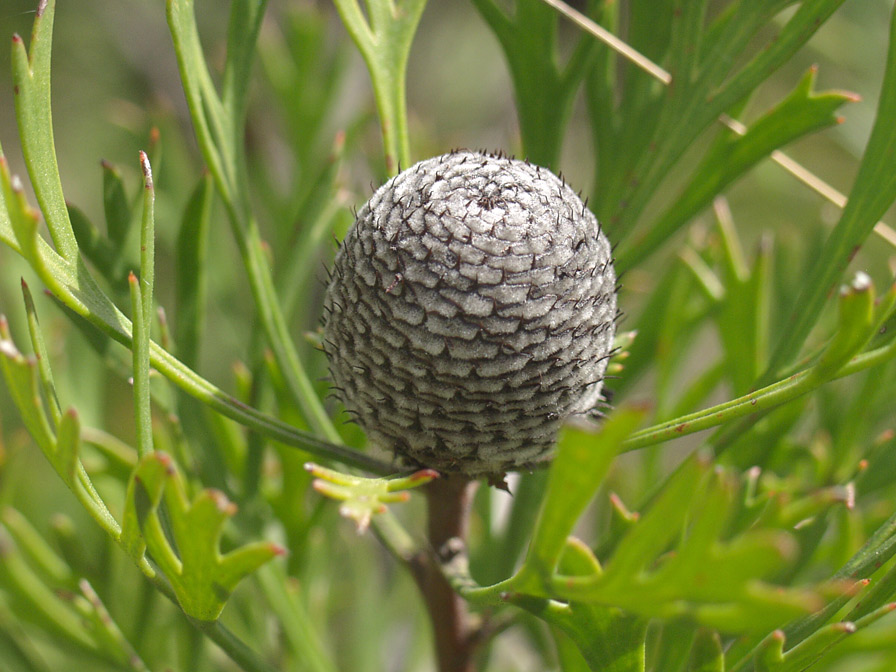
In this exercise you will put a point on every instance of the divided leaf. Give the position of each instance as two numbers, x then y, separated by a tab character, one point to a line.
183	537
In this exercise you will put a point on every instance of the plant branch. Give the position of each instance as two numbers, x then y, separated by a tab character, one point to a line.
659	73
761	400
456	636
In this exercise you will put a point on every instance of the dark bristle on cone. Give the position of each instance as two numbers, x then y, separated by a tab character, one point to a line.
499	329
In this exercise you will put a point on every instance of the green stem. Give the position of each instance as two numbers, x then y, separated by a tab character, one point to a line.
385	44
220	136
141	309
754	402
233	646
299	627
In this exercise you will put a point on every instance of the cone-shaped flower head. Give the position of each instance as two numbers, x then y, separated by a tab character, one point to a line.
470	312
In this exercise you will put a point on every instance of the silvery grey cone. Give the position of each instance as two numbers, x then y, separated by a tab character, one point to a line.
470	312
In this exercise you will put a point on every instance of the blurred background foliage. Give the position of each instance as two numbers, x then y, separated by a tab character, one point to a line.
115	79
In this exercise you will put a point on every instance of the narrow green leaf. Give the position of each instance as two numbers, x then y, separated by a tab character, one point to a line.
24	386
38	602
770	656
31	79
879	596
300	626
40	352
116	206
140	358
23	219
40	555
705	528
543	92
689	110
707	654
855	326
568	654
93	245
811	649
656	528
577	472
239	563
873	192
732	155
68	446
144	493
109	637
688	18
192	277
17	650
877	551
527	498
385	44
608	639
205	107
673	644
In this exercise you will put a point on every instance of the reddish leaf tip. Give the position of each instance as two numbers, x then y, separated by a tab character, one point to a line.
132	278
221	502
338	145
16	38
147	170
164	459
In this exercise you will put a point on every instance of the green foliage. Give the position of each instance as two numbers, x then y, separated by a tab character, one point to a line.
767	544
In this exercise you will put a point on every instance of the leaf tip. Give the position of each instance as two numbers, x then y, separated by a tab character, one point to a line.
147	170
7	347
41	8
846	627
222	503
862	282
424	476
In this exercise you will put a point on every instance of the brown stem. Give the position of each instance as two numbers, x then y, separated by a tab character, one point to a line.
456	636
